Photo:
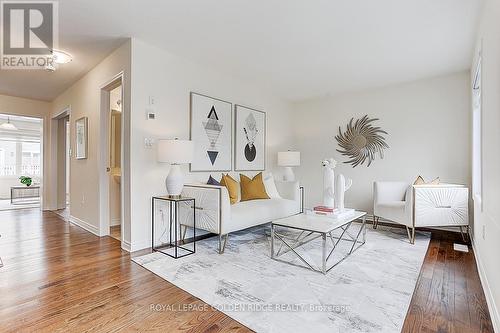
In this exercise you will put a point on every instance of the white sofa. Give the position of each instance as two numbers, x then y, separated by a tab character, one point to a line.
215	214
443	205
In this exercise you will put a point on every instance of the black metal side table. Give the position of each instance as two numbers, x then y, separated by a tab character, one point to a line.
176	246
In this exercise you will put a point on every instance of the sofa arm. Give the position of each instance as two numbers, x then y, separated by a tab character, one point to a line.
441	205
213	208
288	190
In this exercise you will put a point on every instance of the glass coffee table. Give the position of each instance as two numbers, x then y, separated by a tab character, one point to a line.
311	227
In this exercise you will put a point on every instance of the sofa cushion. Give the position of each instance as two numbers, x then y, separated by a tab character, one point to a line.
252	189
245	214
270	186
420	181
232	187
213	181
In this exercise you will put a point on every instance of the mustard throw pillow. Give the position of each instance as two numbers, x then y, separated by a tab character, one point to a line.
232	187
252	189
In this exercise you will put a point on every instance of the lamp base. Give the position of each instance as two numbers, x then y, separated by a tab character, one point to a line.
174	181
288	175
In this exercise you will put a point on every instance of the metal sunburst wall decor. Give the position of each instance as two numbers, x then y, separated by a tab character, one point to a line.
361	141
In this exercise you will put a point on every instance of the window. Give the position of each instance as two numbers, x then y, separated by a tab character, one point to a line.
30	164
7	158
19	158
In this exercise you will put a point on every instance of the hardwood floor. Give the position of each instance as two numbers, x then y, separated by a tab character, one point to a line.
58	277
448	296
115	232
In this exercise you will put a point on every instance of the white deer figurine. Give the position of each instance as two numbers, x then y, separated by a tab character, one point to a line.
341	186
328	181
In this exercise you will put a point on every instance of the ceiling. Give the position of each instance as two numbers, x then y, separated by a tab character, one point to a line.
296	49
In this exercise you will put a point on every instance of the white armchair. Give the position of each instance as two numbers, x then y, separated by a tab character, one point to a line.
444	205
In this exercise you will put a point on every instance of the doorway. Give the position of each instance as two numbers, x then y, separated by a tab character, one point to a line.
115	151
20	162
62	129
111	193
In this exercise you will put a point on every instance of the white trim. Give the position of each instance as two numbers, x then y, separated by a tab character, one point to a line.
84	225
103	156
490	300
126	246
145	244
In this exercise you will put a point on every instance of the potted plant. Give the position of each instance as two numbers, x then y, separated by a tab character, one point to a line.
26	180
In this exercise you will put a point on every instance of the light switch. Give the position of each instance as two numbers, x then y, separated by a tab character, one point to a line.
149	142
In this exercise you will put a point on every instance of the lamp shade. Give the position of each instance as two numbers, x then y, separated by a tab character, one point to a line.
289	158
175	151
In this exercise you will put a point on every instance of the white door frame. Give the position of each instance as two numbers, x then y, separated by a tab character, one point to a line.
103	164
54	138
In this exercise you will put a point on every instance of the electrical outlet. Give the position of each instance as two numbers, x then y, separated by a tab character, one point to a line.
83	199
150	114
151	100
484	231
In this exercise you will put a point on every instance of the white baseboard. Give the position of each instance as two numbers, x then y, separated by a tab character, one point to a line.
84	225
490	300
126	246
140	245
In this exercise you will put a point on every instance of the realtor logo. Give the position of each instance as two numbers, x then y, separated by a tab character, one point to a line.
29	34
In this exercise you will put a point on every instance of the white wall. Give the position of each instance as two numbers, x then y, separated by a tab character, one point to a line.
84	98
170	79
487	249
429	132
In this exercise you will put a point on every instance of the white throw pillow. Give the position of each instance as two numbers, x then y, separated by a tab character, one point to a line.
270	186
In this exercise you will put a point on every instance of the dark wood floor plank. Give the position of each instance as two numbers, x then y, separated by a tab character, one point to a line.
58	278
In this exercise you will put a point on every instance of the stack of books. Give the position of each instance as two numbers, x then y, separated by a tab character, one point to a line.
324	209
331	212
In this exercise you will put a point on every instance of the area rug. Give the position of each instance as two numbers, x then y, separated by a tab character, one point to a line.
370	291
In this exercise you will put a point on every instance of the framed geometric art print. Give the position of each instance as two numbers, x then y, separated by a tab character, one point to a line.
211	133
250	139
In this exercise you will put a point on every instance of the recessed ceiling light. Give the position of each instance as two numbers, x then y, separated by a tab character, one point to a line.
61	57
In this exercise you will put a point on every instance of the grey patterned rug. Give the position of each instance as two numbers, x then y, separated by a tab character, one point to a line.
370	291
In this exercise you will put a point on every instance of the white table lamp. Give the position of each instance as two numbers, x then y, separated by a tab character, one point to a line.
289	159
175	152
